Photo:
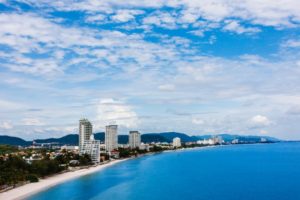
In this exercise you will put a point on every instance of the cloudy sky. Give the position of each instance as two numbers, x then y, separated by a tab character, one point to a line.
199	67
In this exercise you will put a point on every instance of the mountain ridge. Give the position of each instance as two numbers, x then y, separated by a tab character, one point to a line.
72	139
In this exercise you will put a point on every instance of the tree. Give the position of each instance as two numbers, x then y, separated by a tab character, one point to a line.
85	159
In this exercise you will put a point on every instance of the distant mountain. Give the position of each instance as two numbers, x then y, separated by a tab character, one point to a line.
98	136
230	137
184	138
5	139
72	139
153	137
123	139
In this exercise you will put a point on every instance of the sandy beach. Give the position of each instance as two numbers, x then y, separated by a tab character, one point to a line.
27	190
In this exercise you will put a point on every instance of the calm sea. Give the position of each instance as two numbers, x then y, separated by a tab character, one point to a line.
240	172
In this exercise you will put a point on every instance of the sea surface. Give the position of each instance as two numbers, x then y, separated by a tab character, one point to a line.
239	172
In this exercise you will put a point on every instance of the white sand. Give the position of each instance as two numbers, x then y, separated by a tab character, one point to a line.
43	184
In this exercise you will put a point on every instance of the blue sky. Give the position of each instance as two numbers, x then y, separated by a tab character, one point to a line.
199	67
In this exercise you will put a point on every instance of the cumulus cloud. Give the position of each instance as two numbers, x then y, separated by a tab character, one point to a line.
66	60
234	26
292	43
97	18
260	121
110	111
126	15
282	13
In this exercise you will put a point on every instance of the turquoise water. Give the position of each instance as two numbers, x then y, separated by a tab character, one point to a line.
240	172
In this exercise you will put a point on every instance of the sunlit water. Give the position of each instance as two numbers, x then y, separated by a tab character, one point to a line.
241	172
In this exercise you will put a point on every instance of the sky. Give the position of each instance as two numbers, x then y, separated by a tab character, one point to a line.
198	67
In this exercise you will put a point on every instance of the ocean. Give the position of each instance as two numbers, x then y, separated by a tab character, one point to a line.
237	172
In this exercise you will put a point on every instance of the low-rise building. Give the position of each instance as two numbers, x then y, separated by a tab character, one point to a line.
69	148
206	142
235	141
144	146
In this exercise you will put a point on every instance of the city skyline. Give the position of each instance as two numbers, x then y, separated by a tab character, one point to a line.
206	67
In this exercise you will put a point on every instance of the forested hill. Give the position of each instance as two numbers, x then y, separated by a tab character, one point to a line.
72	139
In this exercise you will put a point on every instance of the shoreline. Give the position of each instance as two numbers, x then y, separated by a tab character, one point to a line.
30	189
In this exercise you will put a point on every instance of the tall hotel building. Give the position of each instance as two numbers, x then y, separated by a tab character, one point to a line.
87	143
134	139
111	138
85	132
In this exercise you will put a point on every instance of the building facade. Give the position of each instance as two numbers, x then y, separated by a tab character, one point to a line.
176	142
87	143
92	148
85	132
134	139
111	138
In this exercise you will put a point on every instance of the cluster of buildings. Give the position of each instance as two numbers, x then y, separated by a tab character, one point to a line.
211	141
88	144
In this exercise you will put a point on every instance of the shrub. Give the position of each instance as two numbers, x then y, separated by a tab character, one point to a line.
32	178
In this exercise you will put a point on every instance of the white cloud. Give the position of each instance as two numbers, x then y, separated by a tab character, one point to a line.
199	33
260	121
281	13
98	18
6	125
234	26
292	43
114	111
125	65
161	19
198	121
126	15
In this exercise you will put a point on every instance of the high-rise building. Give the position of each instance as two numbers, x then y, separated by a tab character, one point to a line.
87	143
111	138
85	131
217	140
176	142
134	139
92	148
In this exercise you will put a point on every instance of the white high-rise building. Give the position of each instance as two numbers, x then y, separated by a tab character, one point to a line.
85	131
134	139
92	148
111	138
87	143
176	142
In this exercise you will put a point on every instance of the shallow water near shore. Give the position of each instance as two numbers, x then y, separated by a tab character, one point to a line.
241	172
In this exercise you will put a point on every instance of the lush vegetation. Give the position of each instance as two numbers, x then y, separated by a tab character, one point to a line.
14	169
6	149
